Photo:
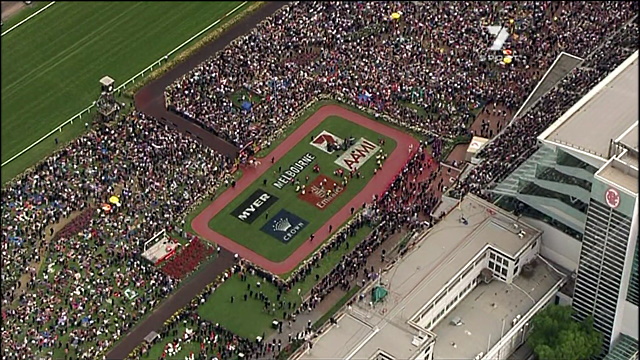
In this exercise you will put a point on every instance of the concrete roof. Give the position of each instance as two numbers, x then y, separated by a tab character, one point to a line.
483	322
605	113
444	251
630	137
563	64
622	171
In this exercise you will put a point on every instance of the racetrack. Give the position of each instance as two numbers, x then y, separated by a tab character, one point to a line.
51	64
152	105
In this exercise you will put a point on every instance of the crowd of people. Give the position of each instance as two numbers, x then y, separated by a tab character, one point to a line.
94	283
350	50
519	140
429	56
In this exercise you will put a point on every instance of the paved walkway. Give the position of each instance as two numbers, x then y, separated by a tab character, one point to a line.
334	297
150	100
178	300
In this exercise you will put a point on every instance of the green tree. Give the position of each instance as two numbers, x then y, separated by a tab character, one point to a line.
555	335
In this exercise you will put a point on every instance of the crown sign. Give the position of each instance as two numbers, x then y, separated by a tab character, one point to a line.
282	224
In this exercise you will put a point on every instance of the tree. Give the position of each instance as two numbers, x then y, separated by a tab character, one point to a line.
555	335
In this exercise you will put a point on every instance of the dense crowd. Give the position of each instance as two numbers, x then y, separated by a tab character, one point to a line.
352	50
187	326
430	56
84	293
519	140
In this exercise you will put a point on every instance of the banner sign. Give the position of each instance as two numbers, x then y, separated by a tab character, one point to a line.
284	226
292	171
254	206
357	154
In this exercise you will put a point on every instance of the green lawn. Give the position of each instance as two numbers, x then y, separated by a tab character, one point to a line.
252	237
248	319
236	98
51	64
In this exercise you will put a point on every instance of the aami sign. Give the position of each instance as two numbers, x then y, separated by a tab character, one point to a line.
357	155
255	205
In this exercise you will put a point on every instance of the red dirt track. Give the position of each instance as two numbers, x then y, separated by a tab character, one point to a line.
392	166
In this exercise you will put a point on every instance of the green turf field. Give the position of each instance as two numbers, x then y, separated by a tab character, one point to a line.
250	234
51	64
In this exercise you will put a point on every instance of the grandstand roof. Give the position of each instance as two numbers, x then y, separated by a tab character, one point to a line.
605	113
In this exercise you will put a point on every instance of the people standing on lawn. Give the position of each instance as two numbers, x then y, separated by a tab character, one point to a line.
90	271
368	59
80	294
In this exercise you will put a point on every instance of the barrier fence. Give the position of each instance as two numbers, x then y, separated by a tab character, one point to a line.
118	90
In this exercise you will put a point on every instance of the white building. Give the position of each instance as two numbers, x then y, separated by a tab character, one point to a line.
581	189
438	304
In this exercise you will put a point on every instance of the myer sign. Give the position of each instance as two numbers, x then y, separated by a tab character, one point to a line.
255	205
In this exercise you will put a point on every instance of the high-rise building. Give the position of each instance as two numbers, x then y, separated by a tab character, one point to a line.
583	181
607	282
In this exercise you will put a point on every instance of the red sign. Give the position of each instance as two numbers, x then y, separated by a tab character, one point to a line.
612	197
321	191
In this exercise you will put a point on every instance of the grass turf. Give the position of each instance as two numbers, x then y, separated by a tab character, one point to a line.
52	63
236	98
248	319
252	237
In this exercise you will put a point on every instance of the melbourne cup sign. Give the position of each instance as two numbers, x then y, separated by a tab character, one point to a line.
284	226
293	170
255	205
357	155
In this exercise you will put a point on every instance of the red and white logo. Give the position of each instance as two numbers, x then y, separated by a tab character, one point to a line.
612	197
325	138
357	154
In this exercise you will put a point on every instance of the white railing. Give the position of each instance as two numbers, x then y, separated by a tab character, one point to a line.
28	18
124	85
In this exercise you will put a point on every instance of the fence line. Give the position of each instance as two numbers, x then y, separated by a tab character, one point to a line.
29	17
122	86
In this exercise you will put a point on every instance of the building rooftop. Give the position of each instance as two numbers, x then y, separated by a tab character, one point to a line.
630	137
486	309
605	113
622	171
418	278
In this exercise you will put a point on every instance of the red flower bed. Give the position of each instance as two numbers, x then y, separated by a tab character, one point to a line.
187	259
76	225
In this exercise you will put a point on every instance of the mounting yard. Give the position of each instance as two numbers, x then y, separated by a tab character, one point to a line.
250	228
51	64
264	219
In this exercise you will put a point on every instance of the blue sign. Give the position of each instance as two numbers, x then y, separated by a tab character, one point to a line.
284	226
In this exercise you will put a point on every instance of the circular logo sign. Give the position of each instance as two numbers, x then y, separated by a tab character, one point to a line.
612	197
